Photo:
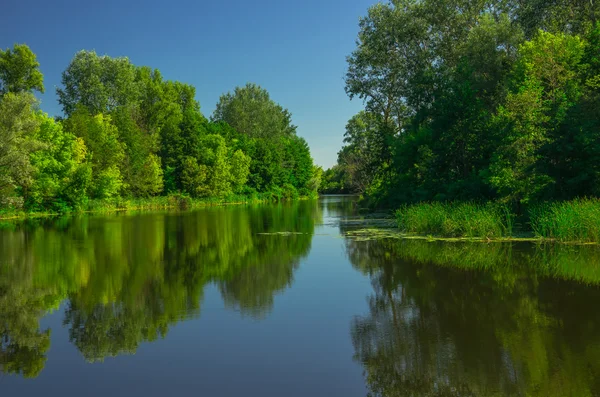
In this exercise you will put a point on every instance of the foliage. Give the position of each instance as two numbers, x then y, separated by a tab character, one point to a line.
568	221
61	176
250	111
278	156
104	151
469	100
19	71
18	126
456	219
98	83
128	134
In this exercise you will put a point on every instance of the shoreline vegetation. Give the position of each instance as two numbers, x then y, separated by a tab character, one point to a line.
479	122
129	139
575	221
568	222
171	202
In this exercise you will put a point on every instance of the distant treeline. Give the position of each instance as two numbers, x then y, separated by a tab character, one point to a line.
128	133
474	100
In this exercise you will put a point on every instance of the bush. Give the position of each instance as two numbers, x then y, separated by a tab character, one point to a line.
179	200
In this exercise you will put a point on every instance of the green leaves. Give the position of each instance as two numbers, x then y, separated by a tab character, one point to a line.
98	83
19	71
129	133
60	169
250	110
18	125
474	100
104	151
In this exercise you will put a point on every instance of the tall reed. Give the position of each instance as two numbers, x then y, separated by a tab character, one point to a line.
466	219
567	221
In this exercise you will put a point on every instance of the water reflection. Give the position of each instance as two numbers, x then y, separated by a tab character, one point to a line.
127	279
478	320
442	319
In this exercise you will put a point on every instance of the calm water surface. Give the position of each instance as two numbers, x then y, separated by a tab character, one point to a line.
278	301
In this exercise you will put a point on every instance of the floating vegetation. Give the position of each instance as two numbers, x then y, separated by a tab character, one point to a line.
282	233
374	233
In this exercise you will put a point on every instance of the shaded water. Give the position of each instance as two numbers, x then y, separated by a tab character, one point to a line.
277	301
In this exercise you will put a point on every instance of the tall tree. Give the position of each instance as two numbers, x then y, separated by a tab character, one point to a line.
61	173
251	111
98	83
19	70
18	125
104	151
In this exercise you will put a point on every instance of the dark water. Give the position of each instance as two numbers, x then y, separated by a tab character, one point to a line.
276	301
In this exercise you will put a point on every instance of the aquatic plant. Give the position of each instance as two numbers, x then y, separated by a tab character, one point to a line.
467	219
567	221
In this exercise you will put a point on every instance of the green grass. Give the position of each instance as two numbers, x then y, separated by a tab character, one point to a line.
567	221
576	221
456	219
171	202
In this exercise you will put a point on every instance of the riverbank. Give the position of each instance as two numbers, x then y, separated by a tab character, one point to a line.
171	202
576	221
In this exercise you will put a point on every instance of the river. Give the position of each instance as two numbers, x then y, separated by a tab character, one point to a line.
279	300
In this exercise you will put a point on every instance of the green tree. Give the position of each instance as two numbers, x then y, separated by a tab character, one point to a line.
364	151
465	108
60	176
105	152
546	87
250	110
19	70
240	170
142	171
18	125
98	83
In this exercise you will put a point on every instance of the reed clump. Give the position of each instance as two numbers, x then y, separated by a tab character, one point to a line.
464	219
567	221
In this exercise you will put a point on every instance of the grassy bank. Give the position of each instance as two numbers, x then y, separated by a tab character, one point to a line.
171	202
567	221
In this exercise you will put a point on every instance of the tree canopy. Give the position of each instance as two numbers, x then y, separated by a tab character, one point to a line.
473	100
128	133
19	70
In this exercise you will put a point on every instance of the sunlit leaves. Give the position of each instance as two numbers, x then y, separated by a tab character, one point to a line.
19	70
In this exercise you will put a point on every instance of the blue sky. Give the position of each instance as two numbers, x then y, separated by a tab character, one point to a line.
296	50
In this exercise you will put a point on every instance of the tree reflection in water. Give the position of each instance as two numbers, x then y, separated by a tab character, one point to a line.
127	279
478	320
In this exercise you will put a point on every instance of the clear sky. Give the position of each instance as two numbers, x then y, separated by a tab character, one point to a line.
295	49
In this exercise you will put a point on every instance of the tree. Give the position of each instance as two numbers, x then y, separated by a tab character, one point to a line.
546	86
19	70
105	152
250	110
142	171
214	172
61	174
364	154
557	16
98	83
18	125
240	170
466	109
